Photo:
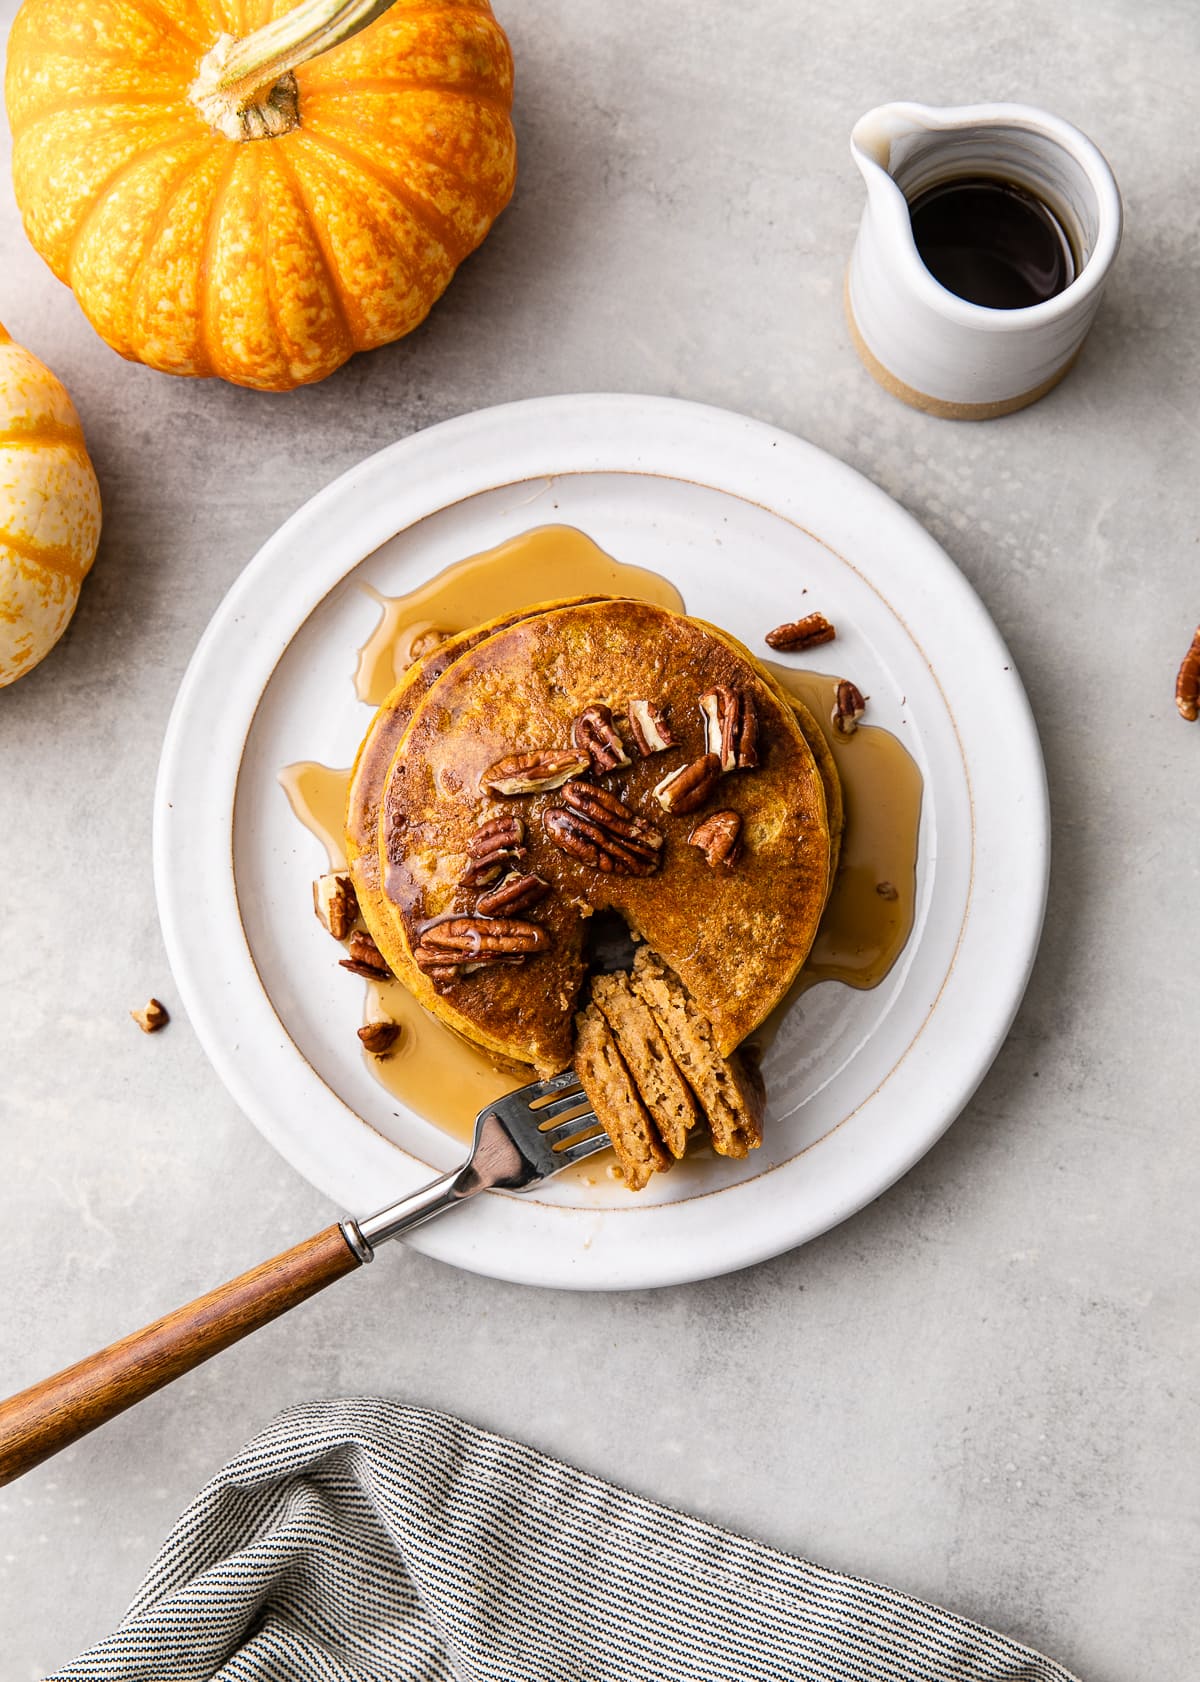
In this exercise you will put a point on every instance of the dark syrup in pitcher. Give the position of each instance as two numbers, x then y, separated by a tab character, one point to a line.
991	242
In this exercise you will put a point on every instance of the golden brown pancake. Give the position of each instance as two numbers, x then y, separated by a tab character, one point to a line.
735	938
388	726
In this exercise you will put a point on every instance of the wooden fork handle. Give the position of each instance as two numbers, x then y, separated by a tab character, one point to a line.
59	1410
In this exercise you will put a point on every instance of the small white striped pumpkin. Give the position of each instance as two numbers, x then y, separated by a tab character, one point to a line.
49	510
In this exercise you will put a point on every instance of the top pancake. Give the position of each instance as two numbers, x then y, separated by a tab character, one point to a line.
736	939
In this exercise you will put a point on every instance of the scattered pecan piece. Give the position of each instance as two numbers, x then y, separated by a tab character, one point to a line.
516	893
535	771
379	1037
366	958
808	632
719	838
887	890
424	642
1187	684
468	943
650	731
595	734
152	1017
848	707
731	727
495	844
686	789
596	827
336	903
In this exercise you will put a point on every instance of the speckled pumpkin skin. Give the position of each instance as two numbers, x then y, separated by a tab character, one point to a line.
49	510
267	262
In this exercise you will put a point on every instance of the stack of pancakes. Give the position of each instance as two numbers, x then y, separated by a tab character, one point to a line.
510	788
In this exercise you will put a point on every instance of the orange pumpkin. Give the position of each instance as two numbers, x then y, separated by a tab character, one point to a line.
49	510
233	188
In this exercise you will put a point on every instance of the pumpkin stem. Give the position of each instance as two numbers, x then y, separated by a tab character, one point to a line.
245	89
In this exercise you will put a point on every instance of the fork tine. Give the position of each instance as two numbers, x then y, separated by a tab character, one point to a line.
537	1090
560	1106
585	1148
567	1129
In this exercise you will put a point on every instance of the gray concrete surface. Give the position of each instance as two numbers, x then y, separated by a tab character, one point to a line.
985	1388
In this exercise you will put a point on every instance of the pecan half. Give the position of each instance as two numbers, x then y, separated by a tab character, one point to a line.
152	1017
379	1037
336	903
808	632
515	893
597	828
719	838
495	844
649	729
595	734
731	727
848	707
366	958
686	789
1187	684
535	771
469	943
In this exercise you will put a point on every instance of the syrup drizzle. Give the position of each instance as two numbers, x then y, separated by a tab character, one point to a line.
432	1070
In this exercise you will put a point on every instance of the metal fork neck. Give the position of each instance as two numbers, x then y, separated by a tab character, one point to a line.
365	1236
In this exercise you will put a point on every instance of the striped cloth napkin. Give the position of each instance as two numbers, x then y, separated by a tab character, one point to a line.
363	1541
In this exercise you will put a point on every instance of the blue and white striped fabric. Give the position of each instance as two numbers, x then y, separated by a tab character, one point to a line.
363	1541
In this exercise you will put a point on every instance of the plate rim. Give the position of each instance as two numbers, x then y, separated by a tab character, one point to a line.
636	417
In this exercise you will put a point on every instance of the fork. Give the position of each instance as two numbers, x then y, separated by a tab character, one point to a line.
521	1141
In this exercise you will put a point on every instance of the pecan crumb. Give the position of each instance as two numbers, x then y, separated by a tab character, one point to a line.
535	770
808	632
425	641
379	1037
719	838
848	707
366	958
1187	684
336	903
153	1017
887	890
649	728
686	789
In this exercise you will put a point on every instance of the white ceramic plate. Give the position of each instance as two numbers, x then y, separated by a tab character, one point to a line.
739	517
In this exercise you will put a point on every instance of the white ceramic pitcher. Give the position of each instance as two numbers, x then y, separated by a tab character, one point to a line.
928	346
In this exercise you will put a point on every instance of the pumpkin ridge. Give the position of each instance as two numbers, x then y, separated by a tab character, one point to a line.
406	84
15	436
475	193
104	187
341	300
204	314
168	24
137	278
89	101
269	288
55	558
97	55
426	214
